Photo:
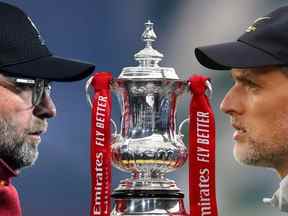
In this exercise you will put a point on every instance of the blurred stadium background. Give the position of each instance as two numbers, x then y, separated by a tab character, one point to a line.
107	33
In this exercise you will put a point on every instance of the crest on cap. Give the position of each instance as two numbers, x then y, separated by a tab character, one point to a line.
253	26
38	32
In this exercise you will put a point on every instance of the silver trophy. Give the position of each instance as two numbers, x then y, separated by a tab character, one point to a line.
147	145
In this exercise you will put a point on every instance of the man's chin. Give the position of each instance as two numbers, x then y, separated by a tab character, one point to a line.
243	154
26	156
248	156
26	164
18	163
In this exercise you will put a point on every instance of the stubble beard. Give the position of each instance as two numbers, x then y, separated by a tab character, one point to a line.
261	152
15	149
250	155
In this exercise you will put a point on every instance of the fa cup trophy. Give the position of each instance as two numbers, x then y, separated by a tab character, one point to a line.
147	144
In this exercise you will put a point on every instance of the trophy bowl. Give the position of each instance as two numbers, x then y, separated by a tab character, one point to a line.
147	145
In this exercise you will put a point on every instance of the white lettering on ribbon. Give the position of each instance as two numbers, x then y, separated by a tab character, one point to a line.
99	141
203	155
100	119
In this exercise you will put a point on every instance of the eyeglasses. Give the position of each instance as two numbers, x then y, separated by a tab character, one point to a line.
37	86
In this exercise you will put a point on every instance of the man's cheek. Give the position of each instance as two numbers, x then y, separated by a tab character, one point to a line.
21	123
282	122
262	125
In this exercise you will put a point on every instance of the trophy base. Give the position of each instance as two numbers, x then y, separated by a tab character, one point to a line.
148	202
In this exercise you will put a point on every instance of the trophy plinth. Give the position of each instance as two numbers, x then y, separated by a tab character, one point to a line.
148	146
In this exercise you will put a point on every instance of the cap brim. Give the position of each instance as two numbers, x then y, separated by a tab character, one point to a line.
234	55
51	68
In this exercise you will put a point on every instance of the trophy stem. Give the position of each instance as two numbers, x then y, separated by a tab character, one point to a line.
148	175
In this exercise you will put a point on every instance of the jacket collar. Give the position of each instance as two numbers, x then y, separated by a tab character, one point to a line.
280	197
6	172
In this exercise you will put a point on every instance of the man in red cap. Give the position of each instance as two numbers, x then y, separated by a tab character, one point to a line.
258	101
26	70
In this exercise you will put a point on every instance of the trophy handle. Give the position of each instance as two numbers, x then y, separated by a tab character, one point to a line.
209	95
180	127
88	97
209	88
115	128
86	90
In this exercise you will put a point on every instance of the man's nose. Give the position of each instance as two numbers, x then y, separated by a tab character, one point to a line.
46	108
232	103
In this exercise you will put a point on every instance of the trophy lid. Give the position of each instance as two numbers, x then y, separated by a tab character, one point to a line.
148	59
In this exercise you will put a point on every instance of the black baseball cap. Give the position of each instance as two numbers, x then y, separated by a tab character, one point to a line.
23	52
264	43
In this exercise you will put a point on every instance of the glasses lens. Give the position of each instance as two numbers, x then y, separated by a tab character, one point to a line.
38	87
47	87
38	91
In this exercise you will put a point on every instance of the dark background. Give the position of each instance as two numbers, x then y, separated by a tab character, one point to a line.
107	33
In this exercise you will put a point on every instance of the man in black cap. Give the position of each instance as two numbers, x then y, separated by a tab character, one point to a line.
26	69
258	101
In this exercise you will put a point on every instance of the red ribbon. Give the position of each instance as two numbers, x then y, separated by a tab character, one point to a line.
100	145
202	192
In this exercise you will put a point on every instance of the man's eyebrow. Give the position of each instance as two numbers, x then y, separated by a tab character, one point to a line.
243	76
